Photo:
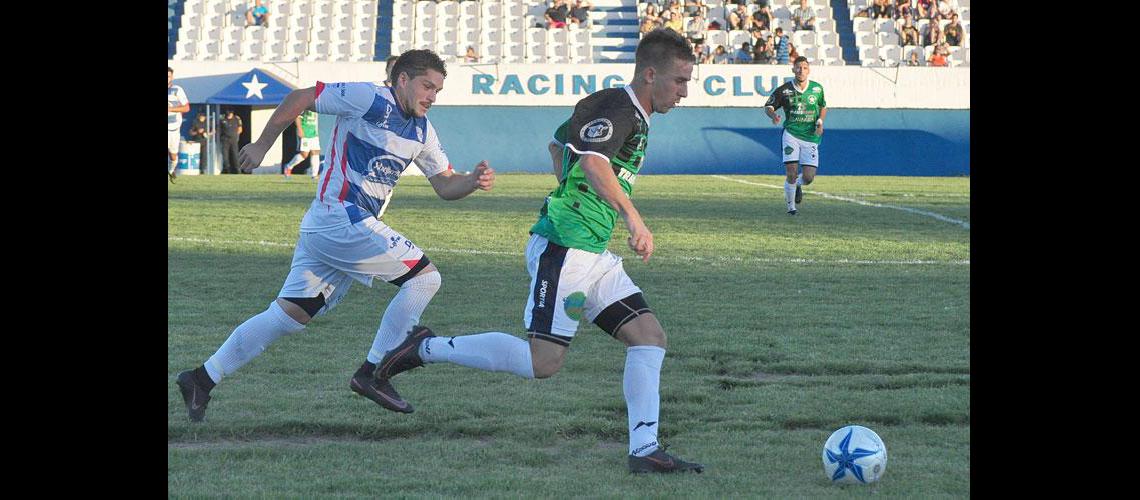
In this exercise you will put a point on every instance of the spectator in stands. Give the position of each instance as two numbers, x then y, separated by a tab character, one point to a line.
719	55
763	52
176	104
883	9
804	17
652	13
200	133
257	14
229	131
695	28
388	63
700	51
925	8
940	57
908	33
739	19
913	60
934	35
782	45
694	7
953	31
762	19
904	9
743	55
792	53
649	24
470	56
556	15
673	21
715	25
580	13
946	8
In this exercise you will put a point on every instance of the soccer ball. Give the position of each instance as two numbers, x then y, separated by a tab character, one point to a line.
854	455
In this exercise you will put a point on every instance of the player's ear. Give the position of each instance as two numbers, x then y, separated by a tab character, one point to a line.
649	74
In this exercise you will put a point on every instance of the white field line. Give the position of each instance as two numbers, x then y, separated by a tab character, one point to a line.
940	217
682	258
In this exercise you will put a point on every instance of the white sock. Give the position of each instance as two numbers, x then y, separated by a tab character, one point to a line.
403	313
641	385
490	351
296	159
790	194
314	164
249	339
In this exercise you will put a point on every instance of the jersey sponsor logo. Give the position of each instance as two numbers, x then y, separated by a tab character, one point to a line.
599	130
574	304
815	90
787	91
629	177
387	112
542	295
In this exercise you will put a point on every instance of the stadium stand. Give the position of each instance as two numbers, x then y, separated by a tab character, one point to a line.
511	31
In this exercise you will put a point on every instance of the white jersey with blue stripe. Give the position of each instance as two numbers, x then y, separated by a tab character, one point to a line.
175	96
373	142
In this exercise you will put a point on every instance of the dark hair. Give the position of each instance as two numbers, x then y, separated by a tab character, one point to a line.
659	47
800	59
169	69
416	63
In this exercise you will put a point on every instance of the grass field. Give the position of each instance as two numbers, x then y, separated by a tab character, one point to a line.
781	330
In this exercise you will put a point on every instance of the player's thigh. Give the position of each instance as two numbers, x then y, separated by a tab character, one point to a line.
808	154
790	147
310	277
643	330
172	140
560	278
367	250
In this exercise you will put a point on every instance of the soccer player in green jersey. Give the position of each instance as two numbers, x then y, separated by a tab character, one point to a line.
308	143
596	155
805	109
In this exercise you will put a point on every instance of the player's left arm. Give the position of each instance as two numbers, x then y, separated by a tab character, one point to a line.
447	184
452	186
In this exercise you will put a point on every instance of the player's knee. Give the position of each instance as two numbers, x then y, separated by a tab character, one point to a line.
546	368
301	309
808	179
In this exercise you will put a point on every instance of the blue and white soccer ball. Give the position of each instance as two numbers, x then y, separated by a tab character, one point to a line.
854	455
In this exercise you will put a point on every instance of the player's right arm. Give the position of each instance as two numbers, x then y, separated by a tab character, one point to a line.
294	104
300	131
556	158
600	175
772	105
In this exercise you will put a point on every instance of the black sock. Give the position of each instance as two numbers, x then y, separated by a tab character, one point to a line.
202	378
367	369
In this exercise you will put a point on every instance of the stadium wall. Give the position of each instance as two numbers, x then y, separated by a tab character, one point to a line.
881	121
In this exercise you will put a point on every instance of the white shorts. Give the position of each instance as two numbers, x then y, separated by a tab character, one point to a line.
172	140
804	152
567	284
326	262
308	144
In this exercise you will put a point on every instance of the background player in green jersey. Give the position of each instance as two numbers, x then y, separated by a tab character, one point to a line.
308	143
597	155
805	109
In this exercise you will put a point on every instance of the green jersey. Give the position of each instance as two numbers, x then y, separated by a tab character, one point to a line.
608	123
801	109
309	124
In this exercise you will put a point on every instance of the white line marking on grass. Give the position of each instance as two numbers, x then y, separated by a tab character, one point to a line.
689	259
940	217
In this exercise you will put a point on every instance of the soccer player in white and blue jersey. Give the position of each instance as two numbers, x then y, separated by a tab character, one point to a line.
379	131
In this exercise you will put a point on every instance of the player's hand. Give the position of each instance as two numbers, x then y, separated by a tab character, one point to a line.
776	120
640	240
250	156
484	176
818	128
